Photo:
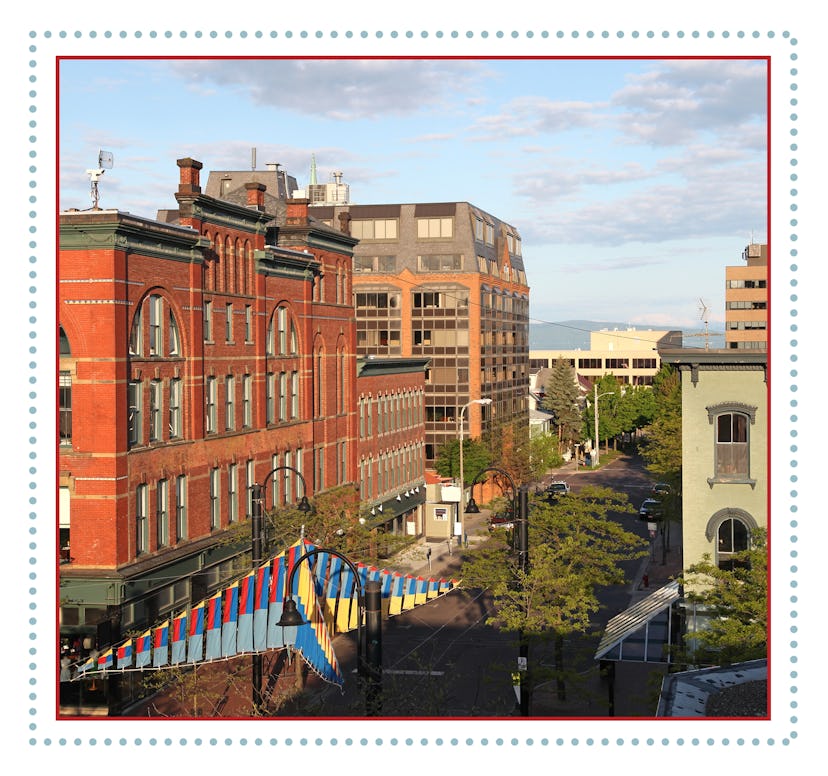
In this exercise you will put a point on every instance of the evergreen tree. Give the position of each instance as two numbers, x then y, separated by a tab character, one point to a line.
562	399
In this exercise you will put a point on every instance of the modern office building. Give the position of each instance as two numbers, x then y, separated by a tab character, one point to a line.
443	281
746	301
632	356
199	352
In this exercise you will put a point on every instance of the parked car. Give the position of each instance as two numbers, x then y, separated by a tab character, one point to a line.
556	488
662	489
501	520
651	509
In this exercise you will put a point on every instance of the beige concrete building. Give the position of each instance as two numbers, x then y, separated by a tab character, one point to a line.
631	355
746	301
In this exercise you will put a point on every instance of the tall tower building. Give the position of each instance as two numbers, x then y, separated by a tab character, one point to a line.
746	301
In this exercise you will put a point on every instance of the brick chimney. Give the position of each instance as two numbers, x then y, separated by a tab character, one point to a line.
188	182
345	223
255	195
297	212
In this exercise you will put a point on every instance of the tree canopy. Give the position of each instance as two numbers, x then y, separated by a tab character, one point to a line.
661	446
575	548
734	603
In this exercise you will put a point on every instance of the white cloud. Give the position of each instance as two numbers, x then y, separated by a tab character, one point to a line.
341	89
679	99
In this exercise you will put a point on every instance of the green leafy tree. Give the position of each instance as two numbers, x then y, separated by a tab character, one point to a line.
661	446
508	443
735	604
574	551
476	456
562	400
544	454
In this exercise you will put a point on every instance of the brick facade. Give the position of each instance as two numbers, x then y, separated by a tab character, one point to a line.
197	354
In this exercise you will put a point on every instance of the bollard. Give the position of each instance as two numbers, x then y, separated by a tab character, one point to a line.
646	580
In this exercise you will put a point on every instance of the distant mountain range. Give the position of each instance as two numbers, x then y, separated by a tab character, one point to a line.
571	335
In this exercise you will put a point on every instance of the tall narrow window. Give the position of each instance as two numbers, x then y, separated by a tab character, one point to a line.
211	421
294	395
175	408
230	403
319	468
175	337
135	335
281	317
233	493
248	323
215	498
141	520
134	408
181	507
270	398
162	517
340	387
250	480
65	403
283	396
156	347
208	321
228	323
155	410
732	446
247	401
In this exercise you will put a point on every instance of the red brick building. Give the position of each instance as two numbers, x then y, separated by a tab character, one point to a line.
198	352
391	450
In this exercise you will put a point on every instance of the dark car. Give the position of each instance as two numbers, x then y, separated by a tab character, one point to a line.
501	521
662	489
555	489
651	509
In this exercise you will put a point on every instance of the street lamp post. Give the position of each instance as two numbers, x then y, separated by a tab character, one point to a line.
369	626
595	452
256	541
520	514
462	505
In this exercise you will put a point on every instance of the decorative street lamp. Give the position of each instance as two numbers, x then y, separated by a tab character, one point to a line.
369	639
462	505
256	539
520	515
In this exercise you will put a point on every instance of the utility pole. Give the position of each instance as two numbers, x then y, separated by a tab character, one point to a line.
523	564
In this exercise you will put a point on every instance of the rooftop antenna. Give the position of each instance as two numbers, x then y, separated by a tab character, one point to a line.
704	316
105	162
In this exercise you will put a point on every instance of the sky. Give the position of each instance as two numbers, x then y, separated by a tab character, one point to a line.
633	182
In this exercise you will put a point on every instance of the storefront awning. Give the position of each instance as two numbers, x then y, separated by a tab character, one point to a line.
641	633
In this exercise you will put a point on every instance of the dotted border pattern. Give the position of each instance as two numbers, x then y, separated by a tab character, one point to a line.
44	252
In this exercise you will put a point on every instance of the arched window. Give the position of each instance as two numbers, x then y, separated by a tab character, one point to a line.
239	273
318	381
732	537
65	349
228	264
155	332
730	531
